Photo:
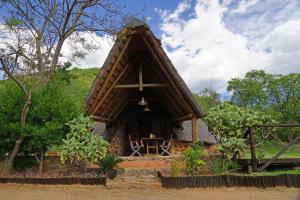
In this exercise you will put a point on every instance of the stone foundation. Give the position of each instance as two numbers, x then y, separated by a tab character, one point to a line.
116	143
157	162
179	146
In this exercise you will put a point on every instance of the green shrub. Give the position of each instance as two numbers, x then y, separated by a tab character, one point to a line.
175	169
81	144
21	163
193	161
222	166
108	164
230	145
260	154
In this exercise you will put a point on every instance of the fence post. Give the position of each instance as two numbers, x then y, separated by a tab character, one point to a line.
252	148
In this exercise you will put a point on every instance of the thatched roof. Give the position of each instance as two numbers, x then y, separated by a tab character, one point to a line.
204	135
105	100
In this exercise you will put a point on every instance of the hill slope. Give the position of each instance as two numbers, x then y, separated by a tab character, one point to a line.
81	83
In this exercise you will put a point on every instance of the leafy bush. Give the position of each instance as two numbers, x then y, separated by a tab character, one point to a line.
81	144
51	108
21	163
229	123
222	166
230	145
260	154
108	164
193	160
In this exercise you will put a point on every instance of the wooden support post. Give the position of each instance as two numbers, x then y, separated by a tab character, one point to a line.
252	148
194	130
140	77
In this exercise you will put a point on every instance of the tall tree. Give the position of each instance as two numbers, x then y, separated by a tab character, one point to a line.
207	98
35	32
45	126
277	94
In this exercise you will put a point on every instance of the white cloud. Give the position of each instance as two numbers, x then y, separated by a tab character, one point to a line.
208	54
244	5
94	57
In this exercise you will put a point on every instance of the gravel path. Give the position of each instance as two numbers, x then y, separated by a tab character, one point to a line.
76	192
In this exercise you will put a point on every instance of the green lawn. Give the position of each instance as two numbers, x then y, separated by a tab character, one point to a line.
269	173
270	148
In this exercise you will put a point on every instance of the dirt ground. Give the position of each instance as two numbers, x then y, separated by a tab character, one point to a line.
78	192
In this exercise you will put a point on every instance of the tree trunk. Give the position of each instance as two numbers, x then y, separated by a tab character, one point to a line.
41	162
20	140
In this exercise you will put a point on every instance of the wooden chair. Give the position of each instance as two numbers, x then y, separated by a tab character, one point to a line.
135	146
166	146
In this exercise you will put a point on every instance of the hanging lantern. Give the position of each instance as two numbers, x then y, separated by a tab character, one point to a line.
147	109
142	102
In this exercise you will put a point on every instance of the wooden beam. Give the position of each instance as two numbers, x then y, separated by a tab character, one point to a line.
182	118
100	119
110	74
167	73
252	148
118	107
109	90
143	85
140	77
194	130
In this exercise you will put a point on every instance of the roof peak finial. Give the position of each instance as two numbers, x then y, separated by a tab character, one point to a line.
135	22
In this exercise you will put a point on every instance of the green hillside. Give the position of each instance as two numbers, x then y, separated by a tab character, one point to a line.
81	83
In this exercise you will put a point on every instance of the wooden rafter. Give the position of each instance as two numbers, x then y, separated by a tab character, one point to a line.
116	100
109	90
146	85
100	119
176	104
160	62
140	77
185	117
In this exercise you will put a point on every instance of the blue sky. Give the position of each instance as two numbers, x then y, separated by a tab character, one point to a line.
212	41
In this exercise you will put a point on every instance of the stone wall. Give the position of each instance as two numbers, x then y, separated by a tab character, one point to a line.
116	142
179	146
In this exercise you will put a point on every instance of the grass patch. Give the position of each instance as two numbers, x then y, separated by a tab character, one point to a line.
269	173
271	147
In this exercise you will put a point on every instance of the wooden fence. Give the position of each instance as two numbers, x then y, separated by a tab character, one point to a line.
286	180
254	161
56	181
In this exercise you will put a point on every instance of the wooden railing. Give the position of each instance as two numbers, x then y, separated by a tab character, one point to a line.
250	132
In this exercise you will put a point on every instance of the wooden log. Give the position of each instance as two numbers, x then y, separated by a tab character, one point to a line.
252	148
284	149
194	130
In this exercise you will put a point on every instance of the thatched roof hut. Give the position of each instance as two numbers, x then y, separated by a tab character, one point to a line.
139	90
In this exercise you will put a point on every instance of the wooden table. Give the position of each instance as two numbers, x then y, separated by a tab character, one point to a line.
152	143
